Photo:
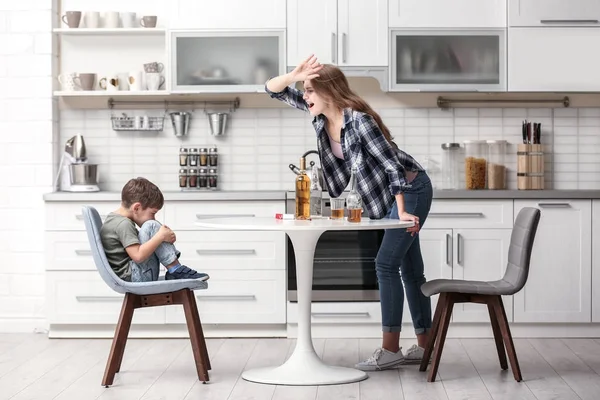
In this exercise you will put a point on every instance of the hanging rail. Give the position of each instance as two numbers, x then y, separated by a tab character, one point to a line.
444	103
233	104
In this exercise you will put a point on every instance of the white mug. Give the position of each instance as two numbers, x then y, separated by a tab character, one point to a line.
70	81
135	81
110	84
129	20
154	80
123	81
92	19
111	19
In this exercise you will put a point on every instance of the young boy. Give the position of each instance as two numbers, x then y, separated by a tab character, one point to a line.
136	256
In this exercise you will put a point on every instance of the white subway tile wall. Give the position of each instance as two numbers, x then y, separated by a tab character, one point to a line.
260	143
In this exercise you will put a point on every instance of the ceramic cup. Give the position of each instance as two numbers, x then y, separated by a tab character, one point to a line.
69	82
110	84
153	67
135	81
154	80
72	18
129	20
87	81
92	19
111	19
148	21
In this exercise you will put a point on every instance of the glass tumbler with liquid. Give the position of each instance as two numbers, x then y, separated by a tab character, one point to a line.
354	200
337	208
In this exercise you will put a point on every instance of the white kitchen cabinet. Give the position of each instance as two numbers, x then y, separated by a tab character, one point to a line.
553	59
228	14
558	288
480	255
341	32
596	261
447	14
554	12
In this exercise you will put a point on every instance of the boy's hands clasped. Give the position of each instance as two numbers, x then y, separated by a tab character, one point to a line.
166	234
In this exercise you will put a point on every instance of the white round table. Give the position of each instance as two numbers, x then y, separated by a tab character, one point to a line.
304	367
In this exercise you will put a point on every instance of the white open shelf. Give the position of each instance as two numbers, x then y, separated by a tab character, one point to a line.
100	93
110	31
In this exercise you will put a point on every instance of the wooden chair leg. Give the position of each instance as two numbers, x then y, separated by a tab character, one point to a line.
196	336
497	337
203	347
435	325
506	335
441	336
117	349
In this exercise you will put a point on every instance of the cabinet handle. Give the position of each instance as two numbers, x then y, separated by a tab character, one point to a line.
226	297
568	21
209	216
83	252
340	314
333	48
459	215
344	48
80	217
458	246
209	252
84	299
448	249
554	205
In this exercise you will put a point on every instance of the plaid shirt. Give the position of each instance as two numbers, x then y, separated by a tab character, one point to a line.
381	166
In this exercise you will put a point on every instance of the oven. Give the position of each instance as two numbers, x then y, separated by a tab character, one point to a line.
344	263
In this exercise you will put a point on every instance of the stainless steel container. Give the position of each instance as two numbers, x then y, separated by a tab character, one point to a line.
84	174
181	122
218	123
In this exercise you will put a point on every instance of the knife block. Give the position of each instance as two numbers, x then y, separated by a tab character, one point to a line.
530	167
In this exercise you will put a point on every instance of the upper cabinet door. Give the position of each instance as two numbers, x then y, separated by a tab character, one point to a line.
554	12
362	33
447	14
553	59
229	14
312	29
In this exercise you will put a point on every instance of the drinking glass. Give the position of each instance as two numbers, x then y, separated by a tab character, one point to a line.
337	208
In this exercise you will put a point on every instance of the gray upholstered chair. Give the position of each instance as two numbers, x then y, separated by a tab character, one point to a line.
145	294
461	291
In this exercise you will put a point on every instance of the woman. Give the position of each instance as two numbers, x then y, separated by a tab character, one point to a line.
392	185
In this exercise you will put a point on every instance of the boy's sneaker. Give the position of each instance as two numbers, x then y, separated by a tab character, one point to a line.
184	272
414	355
380	360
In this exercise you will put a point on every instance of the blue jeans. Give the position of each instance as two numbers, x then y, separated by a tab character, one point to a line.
399	257
165	254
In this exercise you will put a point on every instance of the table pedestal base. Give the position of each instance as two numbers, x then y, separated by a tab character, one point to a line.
304	369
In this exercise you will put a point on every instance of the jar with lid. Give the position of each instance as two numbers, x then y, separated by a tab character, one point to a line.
203	157
450	167
183	177
183	157
193	158
212	179
212	156
496	170
475	164
193	178
202	178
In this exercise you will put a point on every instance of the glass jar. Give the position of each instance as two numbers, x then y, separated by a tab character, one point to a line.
203	157
496	169
183	157
203	178
183	178
450	173
475	164
193	158
212	179
212	156
193	178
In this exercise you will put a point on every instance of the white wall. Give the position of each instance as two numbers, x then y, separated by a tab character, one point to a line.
26	135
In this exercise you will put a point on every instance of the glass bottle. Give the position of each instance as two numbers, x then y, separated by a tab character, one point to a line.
302	192
354	200
316	193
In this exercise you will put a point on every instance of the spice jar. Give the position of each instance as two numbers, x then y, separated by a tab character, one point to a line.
450	174
203	157
203	178
496	170
183	157
183	177
193	158
212	156
475	164
193	178
212	178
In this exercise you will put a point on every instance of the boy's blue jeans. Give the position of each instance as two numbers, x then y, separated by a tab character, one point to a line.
399	261
164	254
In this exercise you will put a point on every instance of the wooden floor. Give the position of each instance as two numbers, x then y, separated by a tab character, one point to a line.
34	367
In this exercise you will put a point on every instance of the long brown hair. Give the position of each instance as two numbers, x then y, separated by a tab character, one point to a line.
333	86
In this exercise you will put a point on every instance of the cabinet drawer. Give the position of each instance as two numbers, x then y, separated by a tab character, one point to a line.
82	297
449	214
232	249
68	216
239	297
180	215
338	313
68	251
554	13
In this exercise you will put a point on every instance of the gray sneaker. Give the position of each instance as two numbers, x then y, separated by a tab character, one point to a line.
414	355
380	360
